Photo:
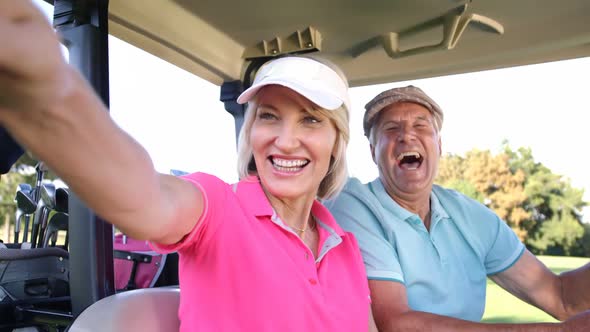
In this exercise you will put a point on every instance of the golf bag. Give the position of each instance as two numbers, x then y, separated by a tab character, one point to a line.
138	266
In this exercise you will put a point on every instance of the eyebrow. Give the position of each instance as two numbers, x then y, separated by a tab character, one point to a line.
384	123
268	106
303	110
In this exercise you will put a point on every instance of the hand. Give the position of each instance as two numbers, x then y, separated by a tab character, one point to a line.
580	322
33	72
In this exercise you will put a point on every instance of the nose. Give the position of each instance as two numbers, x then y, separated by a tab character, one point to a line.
288	138
406	134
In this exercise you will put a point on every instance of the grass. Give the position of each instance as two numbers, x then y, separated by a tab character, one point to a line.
502	307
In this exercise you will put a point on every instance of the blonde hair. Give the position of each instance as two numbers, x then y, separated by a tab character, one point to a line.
337	174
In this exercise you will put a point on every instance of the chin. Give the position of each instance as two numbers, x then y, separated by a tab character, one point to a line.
285	193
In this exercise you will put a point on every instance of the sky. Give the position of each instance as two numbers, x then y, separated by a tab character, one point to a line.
179	119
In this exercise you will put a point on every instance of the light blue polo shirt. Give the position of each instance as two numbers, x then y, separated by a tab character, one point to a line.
444	270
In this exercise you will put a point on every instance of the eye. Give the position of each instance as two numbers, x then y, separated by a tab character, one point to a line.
423	125
266	116
311	119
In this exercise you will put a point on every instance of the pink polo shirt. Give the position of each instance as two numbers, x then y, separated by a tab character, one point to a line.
242	269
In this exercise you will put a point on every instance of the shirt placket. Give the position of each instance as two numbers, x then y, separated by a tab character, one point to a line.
419	226
310	266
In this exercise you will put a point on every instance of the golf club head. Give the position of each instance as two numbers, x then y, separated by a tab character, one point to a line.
24	187
61	199
58	222
48	194
24	201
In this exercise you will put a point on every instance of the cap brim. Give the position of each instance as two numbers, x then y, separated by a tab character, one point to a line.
316	95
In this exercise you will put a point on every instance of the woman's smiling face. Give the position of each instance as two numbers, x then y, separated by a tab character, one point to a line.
291	143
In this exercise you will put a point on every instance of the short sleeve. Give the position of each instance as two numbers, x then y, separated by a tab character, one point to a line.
505	250
215	193
355	212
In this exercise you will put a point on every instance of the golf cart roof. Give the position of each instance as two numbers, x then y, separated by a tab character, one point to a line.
372	41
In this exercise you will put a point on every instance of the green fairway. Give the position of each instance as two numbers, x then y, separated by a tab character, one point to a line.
503	307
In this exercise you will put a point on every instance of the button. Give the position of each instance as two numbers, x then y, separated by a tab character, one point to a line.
313	281
306	255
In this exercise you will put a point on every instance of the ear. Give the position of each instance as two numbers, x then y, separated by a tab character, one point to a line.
439	146
373	153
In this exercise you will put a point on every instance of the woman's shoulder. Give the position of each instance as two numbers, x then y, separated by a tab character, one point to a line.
205	179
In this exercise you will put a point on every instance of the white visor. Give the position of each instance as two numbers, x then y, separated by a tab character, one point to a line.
311	79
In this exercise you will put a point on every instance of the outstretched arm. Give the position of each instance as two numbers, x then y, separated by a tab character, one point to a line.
49	108
561	296
392	313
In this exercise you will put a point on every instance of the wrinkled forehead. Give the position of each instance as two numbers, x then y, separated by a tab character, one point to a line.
404	111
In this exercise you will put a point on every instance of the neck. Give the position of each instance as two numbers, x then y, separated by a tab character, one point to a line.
415	203
295	213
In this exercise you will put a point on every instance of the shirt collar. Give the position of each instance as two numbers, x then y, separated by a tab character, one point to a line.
325	218
436	209
387	202
249	190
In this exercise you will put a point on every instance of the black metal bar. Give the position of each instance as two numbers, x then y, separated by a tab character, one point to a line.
48	313
230	91
132	256
46	320
83	25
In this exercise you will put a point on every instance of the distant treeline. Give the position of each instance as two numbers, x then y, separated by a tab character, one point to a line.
541	207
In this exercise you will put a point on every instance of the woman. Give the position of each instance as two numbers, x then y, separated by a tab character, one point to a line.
265	254
260	255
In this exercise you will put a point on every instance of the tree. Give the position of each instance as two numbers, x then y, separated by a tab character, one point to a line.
540	206
450	175
554	205
490	180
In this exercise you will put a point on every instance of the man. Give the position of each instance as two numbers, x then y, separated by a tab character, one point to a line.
428	250
10	151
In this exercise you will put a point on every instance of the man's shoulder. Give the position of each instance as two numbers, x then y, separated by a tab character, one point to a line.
467	212
453	198
353	184
354	196
354	189
357	210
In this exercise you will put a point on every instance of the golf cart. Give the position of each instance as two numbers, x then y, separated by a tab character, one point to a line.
226	41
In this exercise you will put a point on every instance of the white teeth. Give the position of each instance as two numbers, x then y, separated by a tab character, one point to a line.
408	154
289	163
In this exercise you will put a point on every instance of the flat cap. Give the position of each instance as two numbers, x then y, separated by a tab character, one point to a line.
410	94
